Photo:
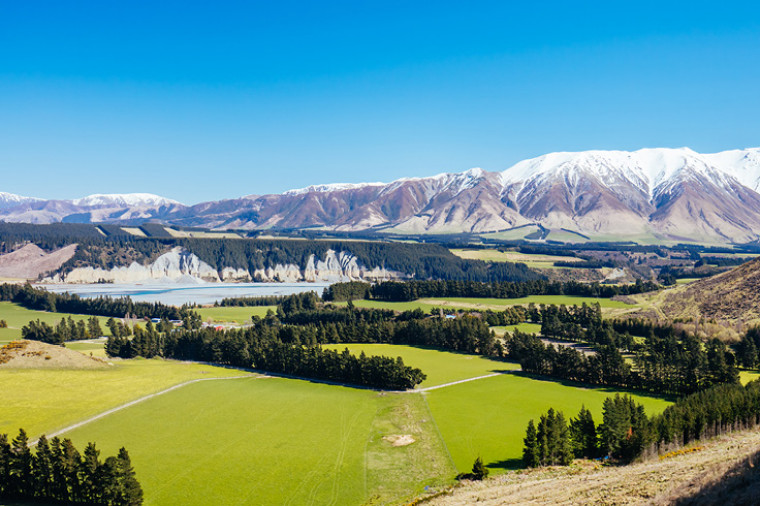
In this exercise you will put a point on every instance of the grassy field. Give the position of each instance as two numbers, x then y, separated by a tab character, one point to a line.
18	316
440	366
528	328
493	304
94	347
747	376
488	417
233	313
43	400
534	261
274	441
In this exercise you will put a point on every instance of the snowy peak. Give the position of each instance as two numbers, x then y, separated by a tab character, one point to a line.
331	187
11	199
123	200
646	169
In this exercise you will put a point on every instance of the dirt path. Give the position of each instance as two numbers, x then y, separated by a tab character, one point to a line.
136	401
435	387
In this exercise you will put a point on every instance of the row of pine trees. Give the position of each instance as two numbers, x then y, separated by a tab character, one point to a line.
55	472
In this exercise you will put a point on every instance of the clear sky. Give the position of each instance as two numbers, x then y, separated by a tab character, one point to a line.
207	100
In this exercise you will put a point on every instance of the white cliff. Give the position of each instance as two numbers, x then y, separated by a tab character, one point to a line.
181	265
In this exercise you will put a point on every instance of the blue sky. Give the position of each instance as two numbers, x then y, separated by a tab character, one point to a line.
202	101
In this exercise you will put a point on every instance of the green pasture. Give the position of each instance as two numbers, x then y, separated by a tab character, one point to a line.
531	260
488	417
489	303
44	400
91	347
747	376
17	316
234	314
527	328
439	366
275	441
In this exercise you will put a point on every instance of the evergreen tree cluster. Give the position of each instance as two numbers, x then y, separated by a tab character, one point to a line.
66	330
57	473
42	300
673	367
627	433
748	349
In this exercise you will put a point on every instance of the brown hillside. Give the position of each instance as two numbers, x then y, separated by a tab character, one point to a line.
731	296
722	471
35	355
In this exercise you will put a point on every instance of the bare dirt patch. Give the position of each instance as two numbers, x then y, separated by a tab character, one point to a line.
30	261
36	355
399	439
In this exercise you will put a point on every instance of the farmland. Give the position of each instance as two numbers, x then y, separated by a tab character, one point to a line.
440	366
494	304
488	417
275	441
43	400
18	316
233	314
531	260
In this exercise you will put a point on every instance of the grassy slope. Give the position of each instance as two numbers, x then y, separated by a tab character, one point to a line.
18	316
274	441
658	481
233	314
440	366
488	417
528	328
43	400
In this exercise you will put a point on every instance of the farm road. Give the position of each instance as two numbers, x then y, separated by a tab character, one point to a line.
136	401
434	387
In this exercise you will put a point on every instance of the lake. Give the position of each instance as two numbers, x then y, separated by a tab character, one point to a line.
176	294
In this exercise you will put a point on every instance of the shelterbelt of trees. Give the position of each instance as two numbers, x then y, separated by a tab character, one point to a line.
399	291
42	300
414	260
56	473
67	329
669	361
627	433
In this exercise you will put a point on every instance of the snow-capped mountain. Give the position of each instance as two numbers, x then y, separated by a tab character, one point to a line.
10	200
676	194
91	209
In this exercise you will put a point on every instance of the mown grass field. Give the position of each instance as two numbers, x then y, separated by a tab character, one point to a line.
17	316
488	417
531	260
43	400
440	366
233	314
275	441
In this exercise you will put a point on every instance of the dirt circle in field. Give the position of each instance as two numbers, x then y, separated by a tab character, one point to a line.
399	439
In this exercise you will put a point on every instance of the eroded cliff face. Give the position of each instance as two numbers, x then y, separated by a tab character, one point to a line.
181	265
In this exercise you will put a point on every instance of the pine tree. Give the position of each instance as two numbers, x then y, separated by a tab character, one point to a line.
479	471
583	434
20	480
130	491
530	450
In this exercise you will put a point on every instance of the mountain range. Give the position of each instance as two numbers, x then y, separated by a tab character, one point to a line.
673	194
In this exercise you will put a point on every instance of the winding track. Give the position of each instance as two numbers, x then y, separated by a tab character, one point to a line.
253	375
136	401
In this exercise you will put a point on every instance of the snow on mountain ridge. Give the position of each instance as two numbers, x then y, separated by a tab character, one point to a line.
648	169
123	199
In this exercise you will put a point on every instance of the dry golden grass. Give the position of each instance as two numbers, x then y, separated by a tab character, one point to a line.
723	467
37	355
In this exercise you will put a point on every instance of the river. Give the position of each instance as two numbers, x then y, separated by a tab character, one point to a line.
176	294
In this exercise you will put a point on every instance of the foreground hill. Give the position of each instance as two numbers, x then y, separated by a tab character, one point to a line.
674	194
722	471
732	296
36	355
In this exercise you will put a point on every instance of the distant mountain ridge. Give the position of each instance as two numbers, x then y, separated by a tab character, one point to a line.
674	194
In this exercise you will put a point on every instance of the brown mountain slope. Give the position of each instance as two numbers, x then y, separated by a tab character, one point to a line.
733	296
722	471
